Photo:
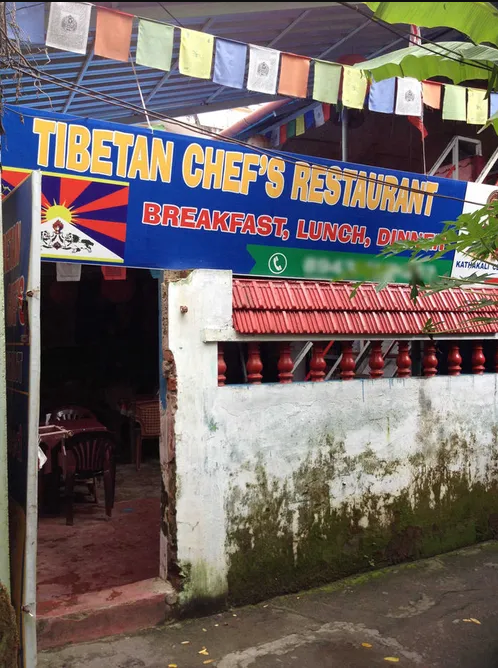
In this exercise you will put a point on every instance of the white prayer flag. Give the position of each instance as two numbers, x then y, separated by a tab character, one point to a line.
263	69
67	271
275	137
319	117
409	97
68	26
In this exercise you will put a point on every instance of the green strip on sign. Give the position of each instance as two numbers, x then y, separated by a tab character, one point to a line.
328	265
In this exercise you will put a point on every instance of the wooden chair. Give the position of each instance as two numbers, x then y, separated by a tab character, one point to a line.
90	455
72	413
148	418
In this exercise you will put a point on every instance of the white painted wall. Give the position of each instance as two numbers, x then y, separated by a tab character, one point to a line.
222	434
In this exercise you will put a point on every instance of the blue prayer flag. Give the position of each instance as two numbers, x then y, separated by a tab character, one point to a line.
493	104
309	119
381	96
230	63
30	19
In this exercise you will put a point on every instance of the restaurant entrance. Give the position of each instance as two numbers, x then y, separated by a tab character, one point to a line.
99	490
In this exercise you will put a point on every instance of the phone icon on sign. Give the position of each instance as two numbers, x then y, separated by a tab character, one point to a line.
277	263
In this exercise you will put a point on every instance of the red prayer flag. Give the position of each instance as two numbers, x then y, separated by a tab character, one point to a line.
113	34
326	111
283	134
417	122
114	273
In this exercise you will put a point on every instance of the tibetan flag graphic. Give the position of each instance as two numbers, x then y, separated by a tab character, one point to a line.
82	220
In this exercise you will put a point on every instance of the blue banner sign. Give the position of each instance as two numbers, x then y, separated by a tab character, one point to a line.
146	198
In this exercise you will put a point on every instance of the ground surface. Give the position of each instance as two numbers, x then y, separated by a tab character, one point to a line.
439	613
95	553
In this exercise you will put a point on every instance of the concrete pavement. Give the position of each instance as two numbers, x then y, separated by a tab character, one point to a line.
438	613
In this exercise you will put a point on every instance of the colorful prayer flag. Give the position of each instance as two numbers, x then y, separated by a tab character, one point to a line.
409	97
327	81
68	26
196	54
318	114
431	94
263	69
326	111
354	88
155	45
114	273
294	74
230	63
477	107
493	104
291	129
275	137
67	271
300	127
418	122
309	119
113	34
283	134
454	103
381	96
29	18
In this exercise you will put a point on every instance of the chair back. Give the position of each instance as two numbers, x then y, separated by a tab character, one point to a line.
147	414
90	452
72	413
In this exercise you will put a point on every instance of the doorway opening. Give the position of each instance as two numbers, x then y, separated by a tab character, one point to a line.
99	373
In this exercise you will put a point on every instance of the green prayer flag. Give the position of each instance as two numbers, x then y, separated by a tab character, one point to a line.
327	81
354	88
291	129
454	103
155	45
196	54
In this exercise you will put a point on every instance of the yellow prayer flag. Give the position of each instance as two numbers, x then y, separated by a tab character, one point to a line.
300	127
354	88
477	107
196	54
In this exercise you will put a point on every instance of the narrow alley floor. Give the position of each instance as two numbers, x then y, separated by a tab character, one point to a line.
438	613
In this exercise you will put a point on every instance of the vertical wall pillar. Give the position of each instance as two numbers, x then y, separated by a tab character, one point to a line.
429	362
454	360
403	360
285	364
376	360
317	364
222	366
347	363
254	364
478	359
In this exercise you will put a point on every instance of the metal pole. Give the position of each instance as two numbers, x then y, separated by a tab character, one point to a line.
344	134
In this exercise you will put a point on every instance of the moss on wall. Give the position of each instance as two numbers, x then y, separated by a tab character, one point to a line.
290	534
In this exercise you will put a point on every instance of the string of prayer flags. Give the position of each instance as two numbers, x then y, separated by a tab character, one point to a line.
294	74
454	103
431	94
196	53
381	96
113	34
477	107
230	63
263	69
354	88
409	97
68	26
327	81
155	45
312	118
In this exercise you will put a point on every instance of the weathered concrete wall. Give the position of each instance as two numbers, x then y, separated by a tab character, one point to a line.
281	487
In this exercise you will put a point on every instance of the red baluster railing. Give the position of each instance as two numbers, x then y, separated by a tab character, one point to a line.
347	363
285	364
454	360
478	359
403	360
222	367
254	364
376	360
429	362
317	364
